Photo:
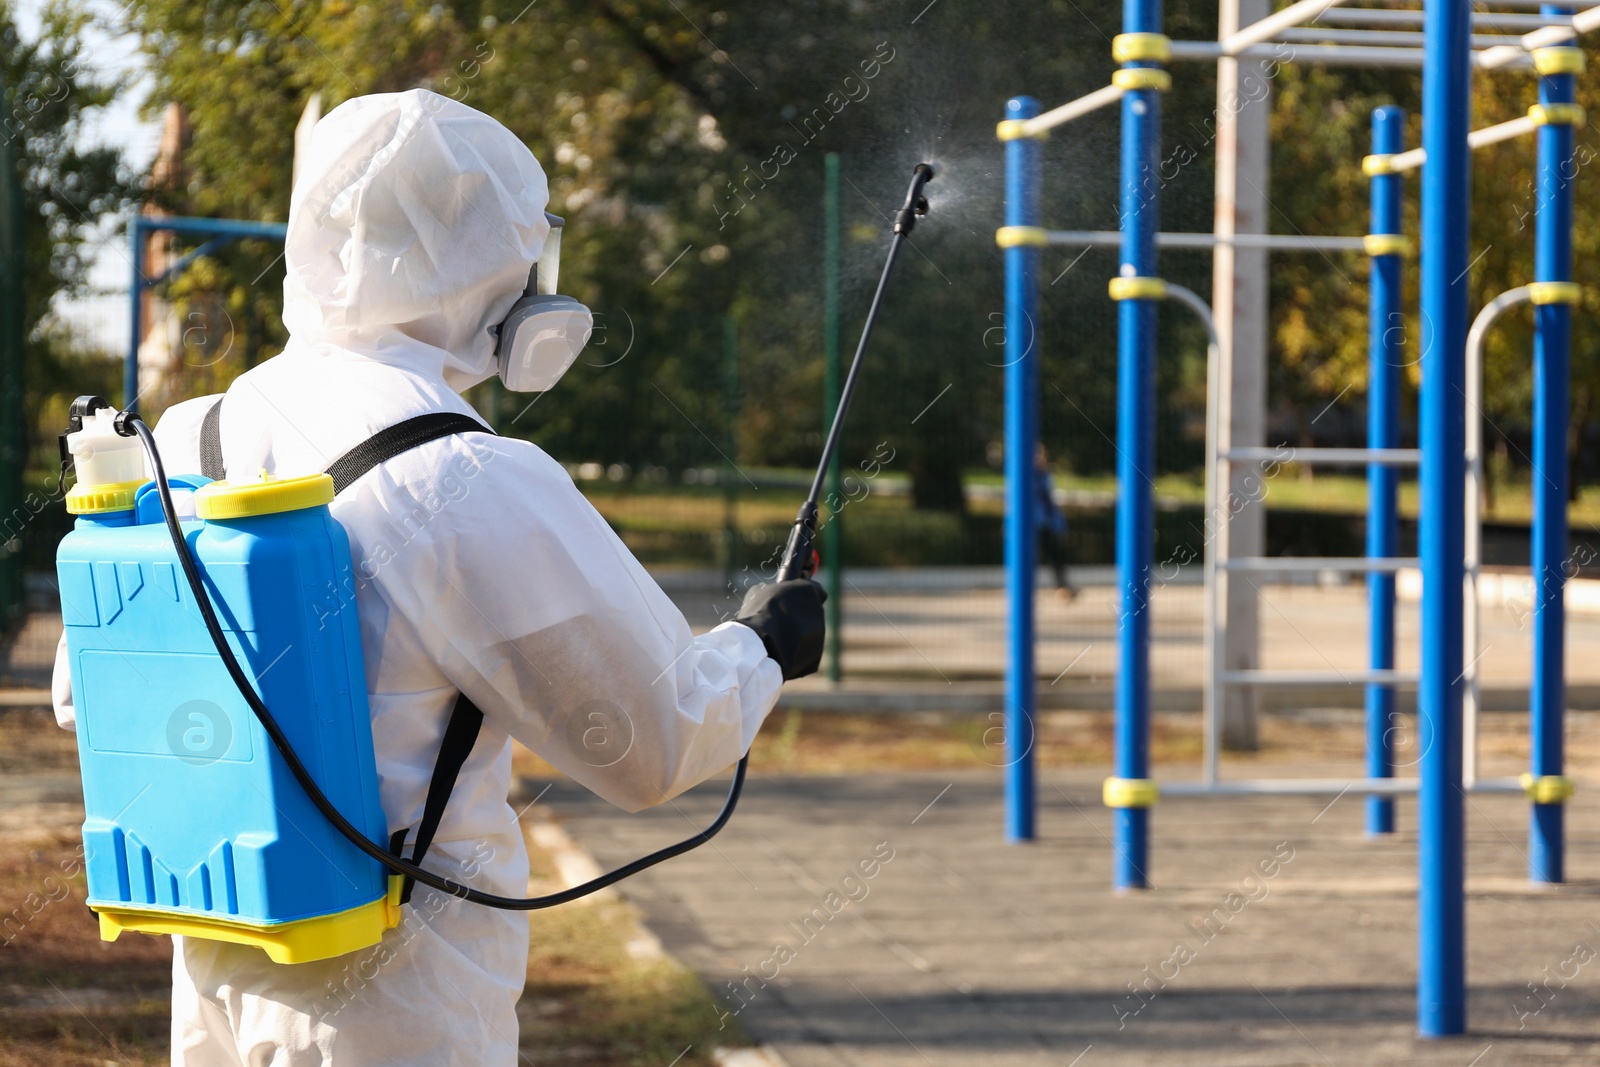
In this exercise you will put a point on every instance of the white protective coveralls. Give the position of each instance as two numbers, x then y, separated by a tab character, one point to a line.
479	567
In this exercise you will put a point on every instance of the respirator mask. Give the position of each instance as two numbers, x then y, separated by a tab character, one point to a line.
544	332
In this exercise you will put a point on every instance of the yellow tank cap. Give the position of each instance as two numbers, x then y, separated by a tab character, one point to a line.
267	495
99	499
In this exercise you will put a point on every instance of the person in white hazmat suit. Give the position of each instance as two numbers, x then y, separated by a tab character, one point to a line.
480	568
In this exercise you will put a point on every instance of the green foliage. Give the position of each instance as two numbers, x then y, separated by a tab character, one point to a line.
68	186
1321	120
684	142
690	172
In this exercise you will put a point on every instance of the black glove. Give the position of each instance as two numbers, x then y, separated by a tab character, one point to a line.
788	618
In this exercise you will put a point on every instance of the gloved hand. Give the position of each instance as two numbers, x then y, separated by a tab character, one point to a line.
788	618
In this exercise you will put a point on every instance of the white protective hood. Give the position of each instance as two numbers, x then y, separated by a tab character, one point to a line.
413	225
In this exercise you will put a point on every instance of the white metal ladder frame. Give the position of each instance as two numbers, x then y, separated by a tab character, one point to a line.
1219	564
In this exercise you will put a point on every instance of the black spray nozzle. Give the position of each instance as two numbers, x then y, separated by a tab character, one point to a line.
916	203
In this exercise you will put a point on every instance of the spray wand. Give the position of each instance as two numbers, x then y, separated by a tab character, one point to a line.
799	558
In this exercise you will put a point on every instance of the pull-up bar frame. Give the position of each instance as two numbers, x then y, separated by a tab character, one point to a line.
140	227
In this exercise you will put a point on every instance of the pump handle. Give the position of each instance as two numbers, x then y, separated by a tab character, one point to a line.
79	410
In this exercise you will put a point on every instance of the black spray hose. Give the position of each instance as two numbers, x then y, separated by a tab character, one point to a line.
797	553
129	424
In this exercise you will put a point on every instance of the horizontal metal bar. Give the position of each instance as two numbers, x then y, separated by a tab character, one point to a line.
1385	38
181	264
1322	787
1325	457
1072	109
1506	56
1279	242
220	227
1488	135
1498	20
1304	564
1265	29
1341	55
1577	5
1352	677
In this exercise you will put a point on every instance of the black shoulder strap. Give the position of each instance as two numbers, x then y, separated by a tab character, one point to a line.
401	437
211	443
385	444
461	733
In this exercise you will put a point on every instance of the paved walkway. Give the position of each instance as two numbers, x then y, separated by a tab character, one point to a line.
964	950
936	639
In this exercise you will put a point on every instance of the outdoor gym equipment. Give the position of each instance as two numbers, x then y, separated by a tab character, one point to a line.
1449	456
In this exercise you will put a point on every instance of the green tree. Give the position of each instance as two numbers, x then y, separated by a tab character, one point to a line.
69	188
1321	120
684	141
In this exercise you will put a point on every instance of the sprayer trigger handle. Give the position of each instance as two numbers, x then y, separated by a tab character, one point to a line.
798	553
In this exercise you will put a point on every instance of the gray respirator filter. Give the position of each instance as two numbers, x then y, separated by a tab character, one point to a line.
544	332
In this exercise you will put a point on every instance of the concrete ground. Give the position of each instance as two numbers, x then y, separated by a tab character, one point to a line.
1277	932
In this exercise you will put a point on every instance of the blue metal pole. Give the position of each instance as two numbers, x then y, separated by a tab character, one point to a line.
274	231
1552	263
1441	860
130	366
1022	435
1385	353
1136	358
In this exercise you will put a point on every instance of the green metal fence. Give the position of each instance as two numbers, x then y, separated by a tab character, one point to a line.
13	431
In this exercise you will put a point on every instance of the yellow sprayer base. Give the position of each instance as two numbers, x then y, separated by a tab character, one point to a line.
292	942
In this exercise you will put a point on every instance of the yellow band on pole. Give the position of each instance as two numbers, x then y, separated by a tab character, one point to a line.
1138	289
1022	237
1016	129
1374	165
1133	78
1143	48
1554	292
1386	244
1556	114
1130	793
1548	788
1562	60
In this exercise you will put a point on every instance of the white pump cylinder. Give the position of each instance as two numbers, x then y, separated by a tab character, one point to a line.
101	456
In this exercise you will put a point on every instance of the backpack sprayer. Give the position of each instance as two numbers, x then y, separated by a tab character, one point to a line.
225	844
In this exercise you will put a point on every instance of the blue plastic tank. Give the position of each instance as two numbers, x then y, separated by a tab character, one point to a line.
193	823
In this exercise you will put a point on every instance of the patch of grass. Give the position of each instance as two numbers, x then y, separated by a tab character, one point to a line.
684	509
69	999
830	742
132	1036
30	740
794	742
590	1002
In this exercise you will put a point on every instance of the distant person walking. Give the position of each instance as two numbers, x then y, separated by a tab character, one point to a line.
1051	522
